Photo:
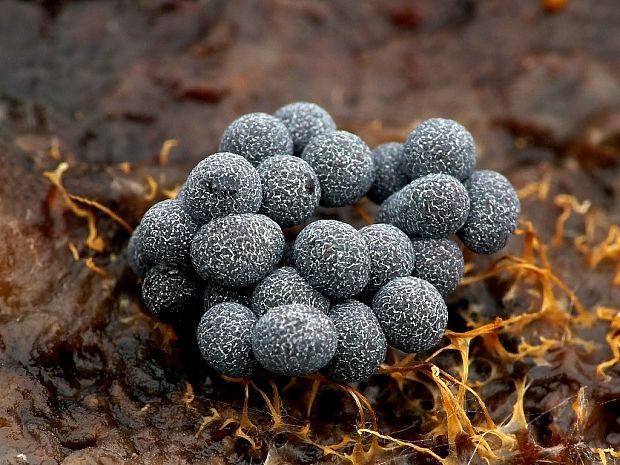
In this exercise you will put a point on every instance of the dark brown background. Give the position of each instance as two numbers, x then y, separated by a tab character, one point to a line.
84	376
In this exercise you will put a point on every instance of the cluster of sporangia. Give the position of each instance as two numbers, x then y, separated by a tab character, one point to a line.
334	298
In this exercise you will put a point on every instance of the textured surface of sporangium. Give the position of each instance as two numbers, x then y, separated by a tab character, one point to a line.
438	261
220	185
388	211
294	340
391	254
170	293
291	190
237	250
305	120
494	212
217	293
285	286
411	313
257	136
433	206
166	233
225	339
333	257
440	145
135	256
391	171
361	343
343	164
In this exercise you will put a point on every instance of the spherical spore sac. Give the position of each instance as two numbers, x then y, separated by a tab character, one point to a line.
333	257
220	185
225	339
217	293
135	256
237	250
172	294
433	206
294	340
438	261
285	286
343	164
361	343
391	254
389	211
411	313
494	212
165	234
257	136
391	173
440	145
291	190
304	121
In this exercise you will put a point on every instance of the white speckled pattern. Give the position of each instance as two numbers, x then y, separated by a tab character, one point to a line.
391	254
291	190
220	185
391	171
285	286
388	211
343	164
217	293
433	206
257	136
411	313
304	121
224	338
237	250
166	233
294	340
135	255
361	343
494	212
438	261
171	293
278	291
440	145
333	257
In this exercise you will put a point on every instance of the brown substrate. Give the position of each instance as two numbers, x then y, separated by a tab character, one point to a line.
529	371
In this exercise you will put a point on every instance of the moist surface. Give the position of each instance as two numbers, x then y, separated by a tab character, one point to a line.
86	376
